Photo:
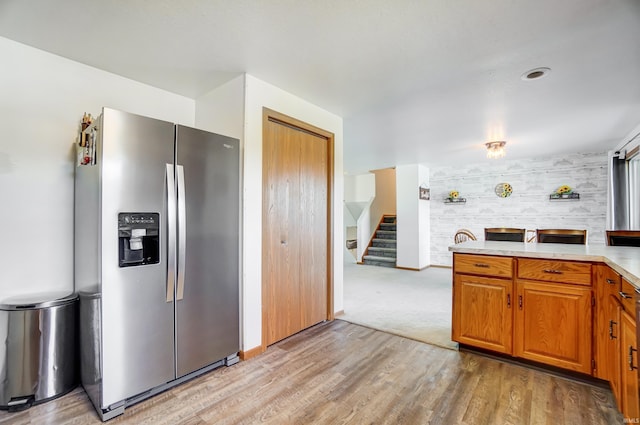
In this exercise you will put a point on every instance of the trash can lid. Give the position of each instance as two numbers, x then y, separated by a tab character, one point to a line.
38	300
89	295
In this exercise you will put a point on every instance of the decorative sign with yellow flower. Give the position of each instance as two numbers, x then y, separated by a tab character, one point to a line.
454	197
564	192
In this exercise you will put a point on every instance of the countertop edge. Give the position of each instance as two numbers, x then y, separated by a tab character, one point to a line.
633	276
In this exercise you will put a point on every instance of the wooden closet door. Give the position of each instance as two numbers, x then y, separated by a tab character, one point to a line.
312	204
295	228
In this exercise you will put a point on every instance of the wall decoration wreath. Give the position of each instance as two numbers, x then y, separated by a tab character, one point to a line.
503	190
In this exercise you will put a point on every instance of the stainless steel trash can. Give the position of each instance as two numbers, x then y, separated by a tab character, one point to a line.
38	348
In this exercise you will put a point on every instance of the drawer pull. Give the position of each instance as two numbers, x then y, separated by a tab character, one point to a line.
611	281
481	265
611	335
551	271
631	350
624	295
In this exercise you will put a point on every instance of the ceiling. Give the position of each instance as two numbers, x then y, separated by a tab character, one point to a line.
416	81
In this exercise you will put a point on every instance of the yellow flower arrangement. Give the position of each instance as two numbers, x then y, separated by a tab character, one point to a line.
564	189
507	190
454	194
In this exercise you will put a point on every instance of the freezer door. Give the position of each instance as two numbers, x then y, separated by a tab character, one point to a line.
208	285
137	321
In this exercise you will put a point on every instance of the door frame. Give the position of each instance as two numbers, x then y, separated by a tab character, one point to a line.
269	115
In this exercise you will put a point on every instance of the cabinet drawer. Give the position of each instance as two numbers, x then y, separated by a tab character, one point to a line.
484	265
628	296
555	271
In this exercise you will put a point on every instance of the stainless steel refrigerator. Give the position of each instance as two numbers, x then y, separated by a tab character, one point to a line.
156	256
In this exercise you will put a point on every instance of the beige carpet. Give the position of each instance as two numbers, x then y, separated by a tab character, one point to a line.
412	304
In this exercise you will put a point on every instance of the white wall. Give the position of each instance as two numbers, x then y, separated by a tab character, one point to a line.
407	213
258	95
385	191
424	222
413	217
528	207
43	99
384	202
363	232
359	188
42	102
359	193
222	110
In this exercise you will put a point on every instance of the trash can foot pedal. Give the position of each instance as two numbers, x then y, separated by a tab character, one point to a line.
18	404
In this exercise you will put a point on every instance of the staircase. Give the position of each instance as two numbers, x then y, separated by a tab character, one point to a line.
382	251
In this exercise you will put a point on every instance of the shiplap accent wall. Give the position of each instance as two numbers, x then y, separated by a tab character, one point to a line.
528	207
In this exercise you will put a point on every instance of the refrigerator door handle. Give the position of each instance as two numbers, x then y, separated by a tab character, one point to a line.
182	231
171	232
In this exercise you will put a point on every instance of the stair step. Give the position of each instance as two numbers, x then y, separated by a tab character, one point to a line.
386	234
384	243
374	260
387	226
377	258
383	252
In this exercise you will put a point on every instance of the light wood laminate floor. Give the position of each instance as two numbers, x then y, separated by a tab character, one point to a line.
341	373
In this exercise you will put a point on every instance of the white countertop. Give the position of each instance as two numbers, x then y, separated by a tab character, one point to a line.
623	259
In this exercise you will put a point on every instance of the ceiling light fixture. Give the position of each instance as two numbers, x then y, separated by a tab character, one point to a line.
535	74
495	149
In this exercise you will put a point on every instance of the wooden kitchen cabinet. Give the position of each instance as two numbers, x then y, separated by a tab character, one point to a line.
482	312
616	354
571	272
612	355
553	324
482	298
484	265
629	367
606	289
553	316
571	314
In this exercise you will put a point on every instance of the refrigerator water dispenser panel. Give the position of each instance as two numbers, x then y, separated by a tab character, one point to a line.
138	239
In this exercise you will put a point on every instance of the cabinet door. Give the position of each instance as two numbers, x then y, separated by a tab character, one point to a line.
613	356
482	314
553	324
607	284
629	366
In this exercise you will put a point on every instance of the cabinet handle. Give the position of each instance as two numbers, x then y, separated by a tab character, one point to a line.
624	295
611	281
520	302
631	350
481	265
611	335
551	271
508	300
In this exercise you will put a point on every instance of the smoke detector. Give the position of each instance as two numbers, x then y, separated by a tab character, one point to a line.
535	74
